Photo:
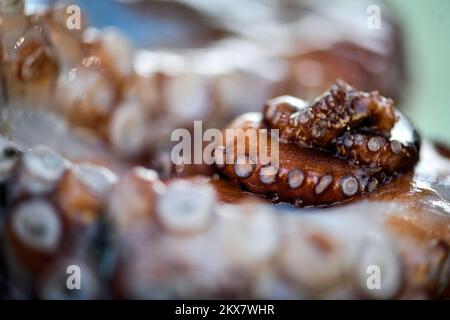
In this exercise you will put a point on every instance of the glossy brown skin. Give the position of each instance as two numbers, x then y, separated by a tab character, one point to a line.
336	165
339	108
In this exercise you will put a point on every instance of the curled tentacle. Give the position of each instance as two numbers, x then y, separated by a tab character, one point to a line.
399	153
376	152
362	144
339	108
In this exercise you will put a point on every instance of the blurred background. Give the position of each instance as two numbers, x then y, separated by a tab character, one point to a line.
426	25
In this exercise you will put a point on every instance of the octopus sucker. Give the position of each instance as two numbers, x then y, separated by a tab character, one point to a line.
186	207
374	144
352	142
33	233
372	184
40	170
388	154
396	146
323	184
243	167
295	178
268	174
349	186
36	224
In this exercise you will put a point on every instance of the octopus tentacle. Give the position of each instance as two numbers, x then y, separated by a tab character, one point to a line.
364	144
299	181
339	108
303	176
376	152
